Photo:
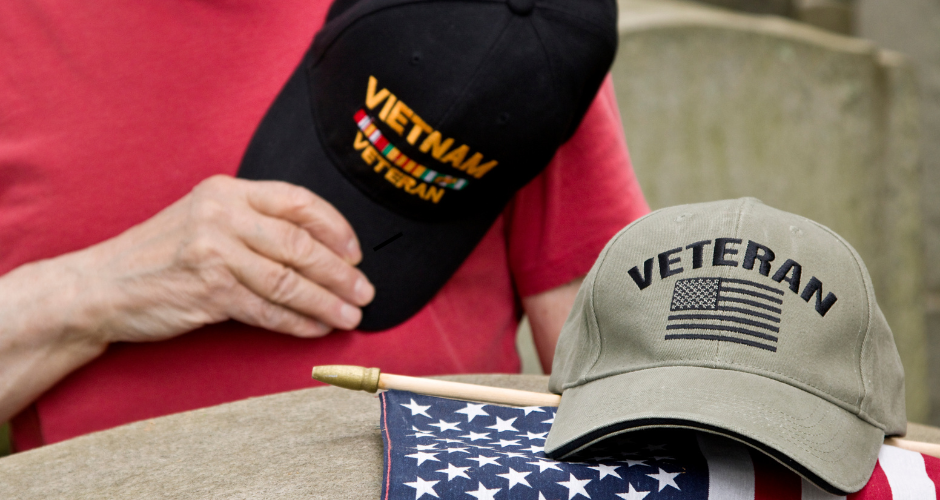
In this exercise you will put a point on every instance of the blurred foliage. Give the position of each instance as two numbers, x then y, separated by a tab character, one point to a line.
4	439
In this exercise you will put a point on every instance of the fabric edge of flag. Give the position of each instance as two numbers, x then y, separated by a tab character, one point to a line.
387	442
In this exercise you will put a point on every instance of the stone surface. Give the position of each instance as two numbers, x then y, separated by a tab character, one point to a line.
832	15
721	105
913	27
321	443
785	8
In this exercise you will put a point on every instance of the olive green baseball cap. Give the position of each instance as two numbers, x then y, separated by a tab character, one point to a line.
737	319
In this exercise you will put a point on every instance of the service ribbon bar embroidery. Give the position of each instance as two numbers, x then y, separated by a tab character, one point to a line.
394	155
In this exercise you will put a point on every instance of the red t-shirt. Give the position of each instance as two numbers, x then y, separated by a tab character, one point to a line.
110	111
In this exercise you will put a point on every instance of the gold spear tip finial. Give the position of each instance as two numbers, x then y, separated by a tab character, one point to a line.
357	378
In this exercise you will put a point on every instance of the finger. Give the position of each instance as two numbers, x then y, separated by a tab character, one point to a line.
251	309
309	211
282	285
284	242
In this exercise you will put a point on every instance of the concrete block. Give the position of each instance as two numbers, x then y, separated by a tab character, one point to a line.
719	105
913	27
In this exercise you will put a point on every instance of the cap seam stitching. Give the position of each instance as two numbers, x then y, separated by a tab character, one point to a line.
545	54
366	10
602	258
476	72
861	335
584	20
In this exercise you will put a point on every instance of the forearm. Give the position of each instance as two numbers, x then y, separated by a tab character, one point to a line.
46	329
547	312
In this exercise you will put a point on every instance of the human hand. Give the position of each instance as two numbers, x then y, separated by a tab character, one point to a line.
265	253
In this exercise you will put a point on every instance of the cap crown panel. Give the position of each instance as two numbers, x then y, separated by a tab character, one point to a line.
819	353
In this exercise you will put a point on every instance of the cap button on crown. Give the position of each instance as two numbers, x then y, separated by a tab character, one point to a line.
521	7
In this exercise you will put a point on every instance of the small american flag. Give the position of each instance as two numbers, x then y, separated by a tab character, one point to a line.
458	450
729	310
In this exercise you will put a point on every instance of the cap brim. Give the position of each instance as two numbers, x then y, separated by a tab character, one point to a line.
822	442
408	261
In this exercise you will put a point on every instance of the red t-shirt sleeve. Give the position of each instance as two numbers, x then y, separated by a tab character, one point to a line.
558	223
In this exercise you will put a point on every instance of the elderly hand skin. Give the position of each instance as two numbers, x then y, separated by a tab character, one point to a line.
265	253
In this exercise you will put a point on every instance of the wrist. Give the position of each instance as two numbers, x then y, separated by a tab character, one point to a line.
54	306
45	330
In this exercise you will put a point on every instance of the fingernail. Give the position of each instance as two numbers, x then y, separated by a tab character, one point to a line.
352	249
313	329
351	315
321	328
363	290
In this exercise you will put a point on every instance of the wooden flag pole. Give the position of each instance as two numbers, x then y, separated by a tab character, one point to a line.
473	392
371	380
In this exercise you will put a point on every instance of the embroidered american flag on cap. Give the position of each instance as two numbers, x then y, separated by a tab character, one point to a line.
730	310
449	449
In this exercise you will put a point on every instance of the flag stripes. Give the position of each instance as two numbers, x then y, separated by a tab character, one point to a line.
906	473
456	450
730	469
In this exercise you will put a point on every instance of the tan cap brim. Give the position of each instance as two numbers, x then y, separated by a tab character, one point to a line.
819	440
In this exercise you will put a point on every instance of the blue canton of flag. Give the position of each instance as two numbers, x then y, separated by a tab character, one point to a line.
448	449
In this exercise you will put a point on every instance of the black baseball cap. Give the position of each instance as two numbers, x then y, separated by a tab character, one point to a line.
419	119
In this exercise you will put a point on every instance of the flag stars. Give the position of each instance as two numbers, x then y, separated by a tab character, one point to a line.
423	487
453	471
516	477
530	409
420	433
606	470
545	465
482	460
536	449
472	411
473	436
422	457
445	426
503	425
482	493
417	409
633	494
665	479
513	444
575	486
